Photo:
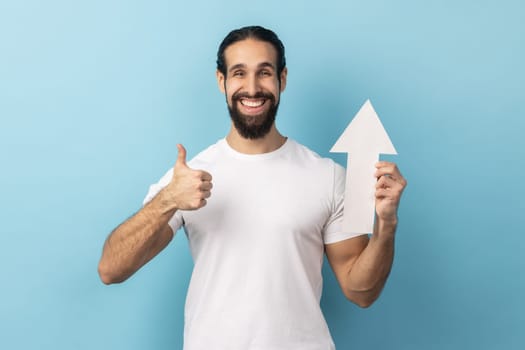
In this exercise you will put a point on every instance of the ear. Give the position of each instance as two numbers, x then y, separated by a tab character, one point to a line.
220	80
284	74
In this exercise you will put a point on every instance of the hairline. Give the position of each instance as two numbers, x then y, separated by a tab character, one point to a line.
256	33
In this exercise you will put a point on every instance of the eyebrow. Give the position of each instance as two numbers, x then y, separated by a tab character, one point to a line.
260	65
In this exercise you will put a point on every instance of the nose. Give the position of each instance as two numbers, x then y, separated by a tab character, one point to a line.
252	85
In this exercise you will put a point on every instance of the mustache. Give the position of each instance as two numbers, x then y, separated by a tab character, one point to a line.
260	94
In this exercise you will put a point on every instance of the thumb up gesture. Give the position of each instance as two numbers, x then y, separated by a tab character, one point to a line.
188	188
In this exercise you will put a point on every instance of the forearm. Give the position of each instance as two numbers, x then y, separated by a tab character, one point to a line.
129	246
370	271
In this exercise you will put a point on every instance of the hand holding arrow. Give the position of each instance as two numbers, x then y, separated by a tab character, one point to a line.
364	139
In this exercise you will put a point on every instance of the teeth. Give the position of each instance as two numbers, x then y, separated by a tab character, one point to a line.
251	103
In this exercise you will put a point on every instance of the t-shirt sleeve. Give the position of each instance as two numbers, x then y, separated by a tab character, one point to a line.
333	231
176	220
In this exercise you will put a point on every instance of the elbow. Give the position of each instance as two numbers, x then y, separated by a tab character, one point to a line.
362	299
107	276
104	275
107	280
364	303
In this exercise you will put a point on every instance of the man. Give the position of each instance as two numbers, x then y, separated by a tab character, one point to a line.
258	241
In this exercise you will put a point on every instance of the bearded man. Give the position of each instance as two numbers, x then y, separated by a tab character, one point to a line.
258	242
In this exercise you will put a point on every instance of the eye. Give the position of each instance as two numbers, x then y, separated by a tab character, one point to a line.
238	73
265	73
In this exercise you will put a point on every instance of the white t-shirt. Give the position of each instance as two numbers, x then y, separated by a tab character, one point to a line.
258	248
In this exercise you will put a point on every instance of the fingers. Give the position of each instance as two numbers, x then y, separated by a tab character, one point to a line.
390	182
386	168
204	175
206	186
389	170
181	161
181	157
387	187
200	201
189	188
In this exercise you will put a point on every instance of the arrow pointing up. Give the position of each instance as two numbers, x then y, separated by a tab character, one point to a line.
363	139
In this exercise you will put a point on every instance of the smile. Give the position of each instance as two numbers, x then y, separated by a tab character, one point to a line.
252	103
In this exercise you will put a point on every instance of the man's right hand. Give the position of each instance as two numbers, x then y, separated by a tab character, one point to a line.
188	188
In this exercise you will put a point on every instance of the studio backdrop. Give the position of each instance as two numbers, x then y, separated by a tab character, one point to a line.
95	95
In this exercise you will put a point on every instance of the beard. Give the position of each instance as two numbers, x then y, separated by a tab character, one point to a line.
253	126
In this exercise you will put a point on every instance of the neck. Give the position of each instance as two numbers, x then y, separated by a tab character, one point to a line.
269	143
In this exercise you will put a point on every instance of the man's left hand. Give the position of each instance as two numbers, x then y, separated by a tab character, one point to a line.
389	187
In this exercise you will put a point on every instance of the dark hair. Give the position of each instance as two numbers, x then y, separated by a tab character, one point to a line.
253	32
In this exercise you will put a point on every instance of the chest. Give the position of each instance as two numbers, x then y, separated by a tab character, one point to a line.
280	201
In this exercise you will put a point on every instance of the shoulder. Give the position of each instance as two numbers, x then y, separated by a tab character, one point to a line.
308	157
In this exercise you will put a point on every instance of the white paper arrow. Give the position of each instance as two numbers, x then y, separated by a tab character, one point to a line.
363	139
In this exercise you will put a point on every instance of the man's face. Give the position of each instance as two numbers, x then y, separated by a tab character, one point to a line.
251	86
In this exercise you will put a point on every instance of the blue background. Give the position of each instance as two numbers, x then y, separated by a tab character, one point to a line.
95	95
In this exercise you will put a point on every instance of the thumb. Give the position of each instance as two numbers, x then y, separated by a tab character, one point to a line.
181	158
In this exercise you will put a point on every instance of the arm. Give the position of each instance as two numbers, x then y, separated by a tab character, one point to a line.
362	265
140	238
